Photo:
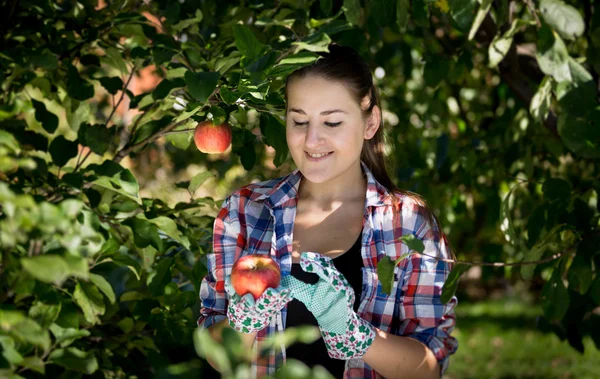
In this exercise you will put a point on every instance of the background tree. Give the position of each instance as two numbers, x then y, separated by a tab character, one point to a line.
106	207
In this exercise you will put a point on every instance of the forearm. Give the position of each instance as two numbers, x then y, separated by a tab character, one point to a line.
215	331
401	357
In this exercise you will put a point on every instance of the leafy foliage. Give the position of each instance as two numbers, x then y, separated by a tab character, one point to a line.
492	114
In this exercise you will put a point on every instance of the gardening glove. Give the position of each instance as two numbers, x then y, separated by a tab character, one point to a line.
247	315
331	300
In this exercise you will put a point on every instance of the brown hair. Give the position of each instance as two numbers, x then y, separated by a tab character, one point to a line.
344	65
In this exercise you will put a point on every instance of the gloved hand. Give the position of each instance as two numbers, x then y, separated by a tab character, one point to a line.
330	300
247	315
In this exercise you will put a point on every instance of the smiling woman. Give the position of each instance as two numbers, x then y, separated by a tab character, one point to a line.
327	224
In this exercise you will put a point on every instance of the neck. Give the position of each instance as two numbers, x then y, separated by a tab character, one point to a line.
351	186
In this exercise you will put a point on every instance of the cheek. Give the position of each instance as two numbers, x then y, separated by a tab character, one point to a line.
293	136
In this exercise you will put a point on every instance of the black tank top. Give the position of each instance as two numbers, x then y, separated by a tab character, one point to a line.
349	264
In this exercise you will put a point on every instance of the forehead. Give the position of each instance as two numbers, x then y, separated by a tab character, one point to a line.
314	93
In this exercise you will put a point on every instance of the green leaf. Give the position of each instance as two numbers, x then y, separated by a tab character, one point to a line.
163	88
381	12
552	55
23	329
9	352
326	6
181	140
89	299
183	24
352	11
578	95
385	273
48	119
402	7
534	254
319	42
145	233
74	359
66	336
484	9
77	87
34	363
413	243
451	283
123	182
540	103
274	131
45	59
201	84
223	64
564	18
112	84
507	225
9	141
246	42
502	43
580	274
581	134
247	156
44	314
555	297
198	180
436	69
96	137
169	227
104	286
47	268
162	276
126	324
462	12
420	13
62	150
595	290
555	189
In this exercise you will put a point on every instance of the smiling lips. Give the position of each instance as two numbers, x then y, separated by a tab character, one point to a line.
317	156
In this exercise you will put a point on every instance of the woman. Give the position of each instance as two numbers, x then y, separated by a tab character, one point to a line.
327	224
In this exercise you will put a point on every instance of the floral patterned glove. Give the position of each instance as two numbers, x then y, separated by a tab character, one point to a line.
330	300
247	315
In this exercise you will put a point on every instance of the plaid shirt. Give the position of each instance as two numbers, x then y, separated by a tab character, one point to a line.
259	219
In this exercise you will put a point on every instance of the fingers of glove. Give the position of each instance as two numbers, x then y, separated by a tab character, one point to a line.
233	296
299	290
324	268
273	300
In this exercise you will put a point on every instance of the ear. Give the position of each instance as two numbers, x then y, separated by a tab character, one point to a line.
373	122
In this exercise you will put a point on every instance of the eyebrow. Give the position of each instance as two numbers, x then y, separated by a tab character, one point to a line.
324	113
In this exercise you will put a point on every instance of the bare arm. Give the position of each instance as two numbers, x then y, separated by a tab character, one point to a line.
401	357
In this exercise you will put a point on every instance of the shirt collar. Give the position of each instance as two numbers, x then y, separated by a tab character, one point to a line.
287	190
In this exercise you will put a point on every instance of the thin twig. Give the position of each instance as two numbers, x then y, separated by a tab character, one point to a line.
125	151
180	131
497	264
533	12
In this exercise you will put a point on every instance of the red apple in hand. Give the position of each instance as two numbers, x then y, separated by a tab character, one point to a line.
254	274
211	138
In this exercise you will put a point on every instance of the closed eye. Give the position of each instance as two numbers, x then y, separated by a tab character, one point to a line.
300	123
333	124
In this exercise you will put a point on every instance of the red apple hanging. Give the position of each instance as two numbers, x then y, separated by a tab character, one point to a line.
254	274
212	139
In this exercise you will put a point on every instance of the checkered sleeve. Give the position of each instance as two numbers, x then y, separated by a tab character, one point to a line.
226	233
424	316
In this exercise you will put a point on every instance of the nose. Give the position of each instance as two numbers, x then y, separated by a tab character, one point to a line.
313	136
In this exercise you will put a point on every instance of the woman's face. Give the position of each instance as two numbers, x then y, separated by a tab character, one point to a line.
325	128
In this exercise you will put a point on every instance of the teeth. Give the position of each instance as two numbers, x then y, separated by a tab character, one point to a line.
317	155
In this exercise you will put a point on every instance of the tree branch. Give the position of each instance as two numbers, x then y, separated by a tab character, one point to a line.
126	150
498	264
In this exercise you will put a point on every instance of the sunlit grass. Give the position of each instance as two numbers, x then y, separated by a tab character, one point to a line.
499	340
